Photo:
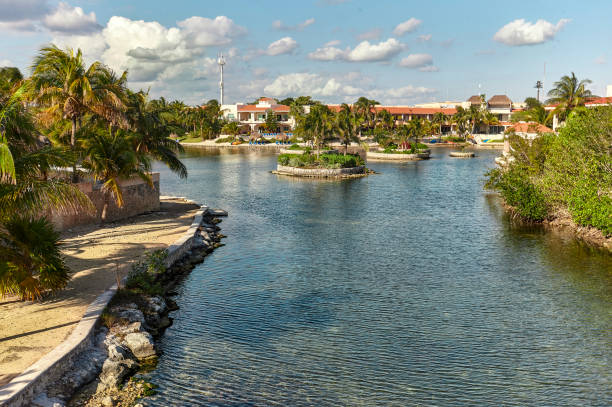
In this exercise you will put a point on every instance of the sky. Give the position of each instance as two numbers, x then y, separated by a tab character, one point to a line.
398	52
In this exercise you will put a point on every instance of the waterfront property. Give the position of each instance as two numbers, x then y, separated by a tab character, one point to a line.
252	117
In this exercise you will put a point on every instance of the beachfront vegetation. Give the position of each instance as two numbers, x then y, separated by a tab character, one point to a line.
569	174
567	94
326	160
67	121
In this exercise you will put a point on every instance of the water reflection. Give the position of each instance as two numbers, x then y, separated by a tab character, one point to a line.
411	287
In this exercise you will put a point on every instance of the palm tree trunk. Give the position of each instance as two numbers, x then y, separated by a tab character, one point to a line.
75	177
104	213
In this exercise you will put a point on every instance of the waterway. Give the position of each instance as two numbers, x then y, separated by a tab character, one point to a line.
407	288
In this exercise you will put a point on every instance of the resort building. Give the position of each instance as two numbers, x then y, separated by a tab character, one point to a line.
251	117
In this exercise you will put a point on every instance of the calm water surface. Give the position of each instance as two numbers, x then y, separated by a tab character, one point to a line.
408	288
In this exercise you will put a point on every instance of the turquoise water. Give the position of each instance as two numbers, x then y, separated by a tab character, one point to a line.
407	288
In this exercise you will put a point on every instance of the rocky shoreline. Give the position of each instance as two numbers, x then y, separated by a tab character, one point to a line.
125	340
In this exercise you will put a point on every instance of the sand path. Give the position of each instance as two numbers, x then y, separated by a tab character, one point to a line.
30	330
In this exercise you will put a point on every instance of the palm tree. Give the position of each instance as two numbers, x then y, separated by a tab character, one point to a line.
365	108
110	157
151	124
535	112
385	119
231	128
439	119
347	123
568	93
68	90
461	119
317	125
30	259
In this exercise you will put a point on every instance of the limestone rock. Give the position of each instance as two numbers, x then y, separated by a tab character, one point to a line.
113	372
141	344
118	353
132	315
108	401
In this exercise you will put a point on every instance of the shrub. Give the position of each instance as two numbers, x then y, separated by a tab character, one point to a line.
229	139
520	192
324	160
589	207
143	275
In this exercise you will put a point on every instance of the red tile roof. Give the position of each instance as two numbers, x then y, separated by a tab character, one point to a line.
405	110
523	127
599	101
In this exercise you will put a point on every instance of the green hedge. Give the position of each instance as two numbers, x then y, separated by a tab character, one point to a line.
322	161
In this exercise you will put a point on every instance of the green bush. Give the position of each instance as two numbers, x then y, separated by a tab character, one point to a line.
229	139
589	207
520	192
323	161
143	275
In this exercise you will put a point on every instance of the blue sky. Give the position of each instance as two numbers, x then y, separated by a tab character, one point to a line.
397	52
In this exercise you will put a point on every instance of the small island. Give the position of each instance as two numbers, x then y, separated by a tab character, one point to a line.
401	152
327	165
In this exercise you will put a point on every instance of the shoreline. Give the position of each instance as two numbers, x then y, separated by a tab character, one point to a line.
78	359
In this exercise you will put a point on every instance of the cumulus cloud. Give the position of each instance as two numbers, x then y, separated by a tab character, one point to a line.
416	61
424	37
363	52
279	25
372	34
336	88
286	45
332	43
153	52
407	26
520	32
204	32
69	19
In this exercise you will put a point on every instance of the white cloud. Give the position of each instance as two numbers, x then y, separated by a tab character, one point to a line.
424	37
71	20
204	32
327	54
429	68
332	43
521	32
372	34
416	61
407	26
6	62
286	45
363	52
337	88
279	25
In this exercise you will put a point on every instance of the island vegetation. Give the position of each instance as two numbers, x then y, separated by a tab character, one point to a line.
326	160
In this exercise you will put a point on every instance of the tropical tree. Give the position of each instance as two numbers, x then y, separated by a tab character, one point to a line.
110	157
385	119
66	89
151	122
365	108
535	112
231	128
271	124
31	262
568	93
317	126
439	119
347	123
461	119
29	259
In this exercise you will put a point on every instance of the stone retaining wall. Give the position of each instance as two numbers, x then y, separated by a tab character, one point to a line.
20	391
138	198
319	172
396	157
